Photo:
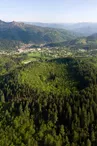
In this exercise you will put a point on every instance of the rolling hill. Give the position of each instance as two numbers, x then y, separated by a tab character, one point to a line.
89	42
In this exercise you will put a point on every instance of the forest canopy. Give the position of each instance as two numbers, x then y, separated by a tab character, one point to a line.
50	103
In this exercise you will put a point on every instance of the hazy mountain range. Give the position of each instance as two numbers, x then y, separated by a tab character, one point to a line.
84	28
13	33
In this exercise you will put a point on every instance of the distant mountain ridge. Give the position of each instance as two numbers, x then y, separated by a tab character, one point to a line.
84	28
9	25
26	33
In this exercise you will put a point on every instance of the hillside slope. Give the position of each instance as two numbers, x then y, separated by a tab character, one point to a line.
88	43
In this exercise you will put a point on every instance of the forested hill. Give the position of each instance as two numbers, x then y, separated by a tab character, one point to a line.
89	43
9	45
92	37
29	33
50	103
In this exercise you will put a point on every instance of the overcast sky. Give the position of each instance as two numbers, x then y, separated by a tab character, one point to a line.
49	10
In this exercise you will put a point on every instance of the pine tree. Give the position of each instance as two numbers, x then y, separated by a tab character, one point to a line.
92	136
88	143
2	98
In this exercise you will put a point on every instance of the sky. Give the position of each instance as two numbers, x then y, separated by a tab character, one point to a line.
49	11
